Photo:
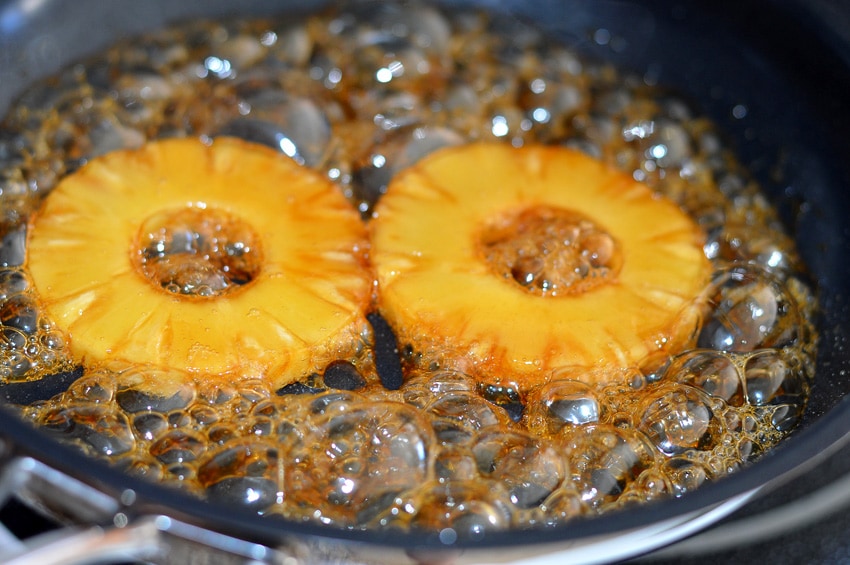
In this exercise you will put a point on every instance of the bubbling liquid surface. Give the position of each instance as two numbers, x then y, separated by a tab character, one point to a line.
359	94
197	252
550	251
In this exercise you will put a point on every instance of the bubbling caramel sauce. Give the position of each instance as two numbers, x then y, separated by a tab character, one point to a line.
197	252
551	251
359	94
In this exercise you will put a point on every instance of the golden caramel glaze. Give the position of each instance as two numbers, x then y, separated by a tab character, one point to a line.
358	93
303	306
440	292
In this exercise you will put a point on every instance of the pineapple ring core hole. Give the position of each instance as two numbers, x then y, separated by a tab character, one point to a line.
550	251
197	251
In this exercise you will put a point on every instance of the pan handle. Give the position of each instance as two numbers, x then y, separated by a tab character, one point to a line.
154	538
90	545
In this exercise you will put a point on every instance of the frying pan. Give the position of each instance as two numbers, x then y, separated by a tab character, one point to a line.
787	64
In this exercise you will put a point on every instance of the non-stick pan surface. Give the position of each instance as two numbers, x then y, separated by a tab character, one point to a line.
774	75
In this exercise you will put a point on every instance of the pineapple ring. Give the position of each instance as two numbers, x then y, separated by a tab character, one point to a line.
440	293
305	303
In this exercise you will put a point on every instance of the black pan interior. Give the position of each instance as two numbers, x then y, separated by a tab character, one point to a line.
786	63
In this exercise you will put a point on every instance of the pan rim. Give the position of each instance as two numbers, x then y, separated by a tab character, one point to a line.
811	444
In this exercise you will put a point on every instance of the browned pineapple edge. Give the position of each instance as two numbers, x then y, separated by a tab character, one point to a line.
220	260
508	263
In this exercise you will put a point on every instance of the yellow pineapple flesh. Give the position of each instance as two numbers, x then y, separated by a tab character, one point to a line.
220	259
517	261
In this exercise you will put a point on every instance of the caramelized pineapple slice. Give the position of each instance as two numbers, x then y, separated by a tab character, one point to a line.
224	259
512	262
